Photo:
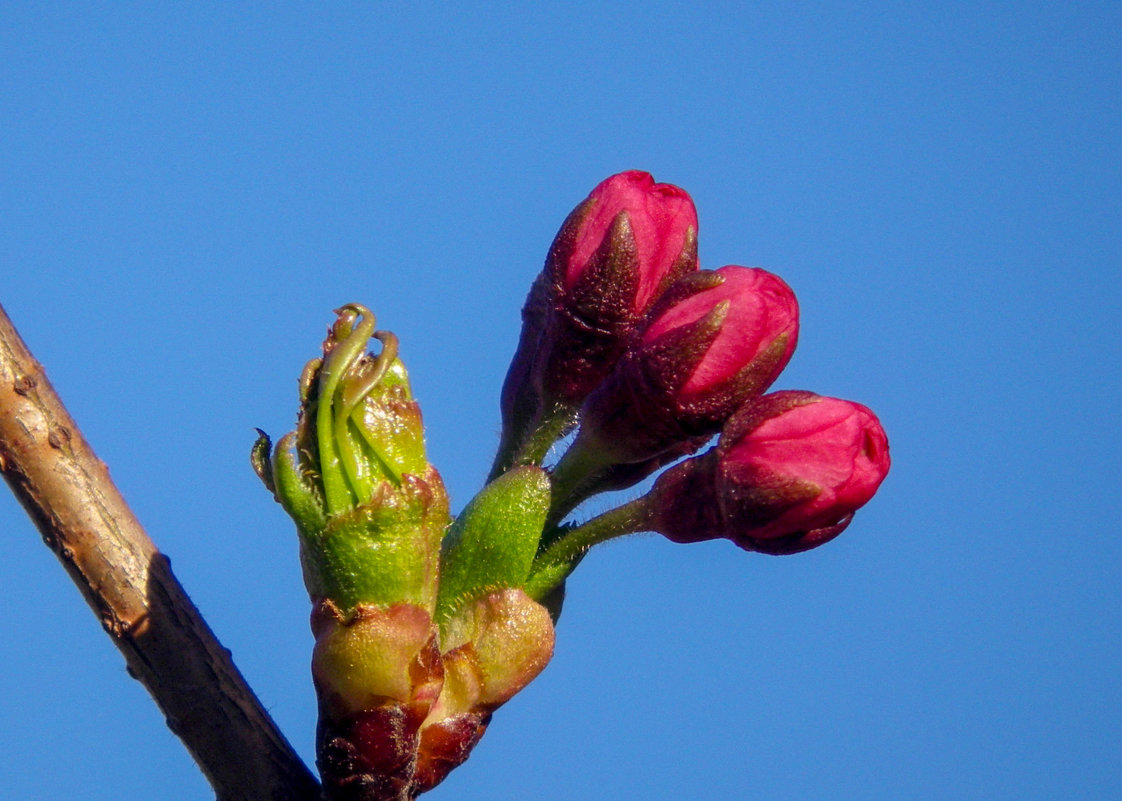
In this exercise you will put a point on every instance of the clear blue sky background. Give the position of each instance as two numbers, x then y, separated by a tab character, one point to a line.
187	190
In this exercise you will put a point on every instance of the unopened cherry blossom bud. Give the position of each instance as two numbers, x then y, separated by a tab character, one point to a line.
615	253
626	241
613	256
786	475
715	340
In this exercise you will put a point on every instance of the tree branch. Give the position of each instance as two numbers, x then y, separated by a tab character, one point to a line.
129	585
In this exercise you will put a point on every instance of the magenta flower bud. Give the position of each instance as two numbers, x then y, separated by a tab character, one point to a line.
788	473
795	466
714	341
629	218
615	254
762	316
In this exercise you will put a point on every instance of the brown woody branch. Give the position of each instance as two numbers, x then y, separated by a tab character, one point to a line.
129	585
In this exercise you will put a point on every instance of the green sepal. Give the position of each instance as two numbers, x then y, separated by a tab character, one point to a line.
492	544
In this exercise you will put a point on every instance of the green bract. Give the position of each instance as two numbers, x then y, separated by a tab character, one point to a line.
492	544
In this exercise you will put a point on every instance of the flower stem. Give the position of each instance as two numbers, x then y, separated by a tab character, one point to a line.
551	428
568	545
574	474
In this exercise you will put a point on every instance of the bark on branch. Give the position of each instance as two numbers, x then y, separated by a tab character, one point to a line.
129	585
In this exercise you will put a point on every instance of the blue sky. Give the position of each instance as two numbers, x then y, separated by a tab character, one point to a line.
186	191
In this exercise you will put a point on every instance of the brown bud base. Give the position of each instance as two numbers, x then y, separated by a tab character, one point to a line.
385	754
377	673
396	715
370	756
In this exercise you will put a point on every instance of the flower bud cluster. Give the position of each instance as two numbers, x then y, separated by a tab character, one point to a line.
649	357
425	624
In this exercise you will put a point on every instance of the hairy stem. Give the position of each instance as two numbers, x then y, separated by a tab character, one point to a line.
550	428
563	547
571	477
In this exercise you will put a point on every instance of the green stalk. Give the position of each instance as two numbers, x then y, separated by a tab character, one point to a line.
548	431
569	545
577	470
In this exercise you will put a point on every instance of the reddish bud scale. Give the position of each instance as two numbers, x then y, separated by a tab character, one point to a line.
371	756
378	674
398	711
445	745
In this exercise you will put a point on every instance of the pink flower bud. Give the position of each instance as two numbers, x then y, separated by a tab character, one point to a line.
787	475
794	467
653	223
715	340
761	312
616	252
